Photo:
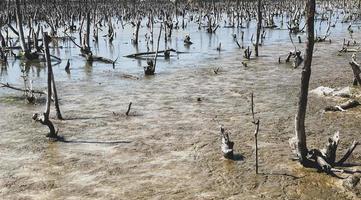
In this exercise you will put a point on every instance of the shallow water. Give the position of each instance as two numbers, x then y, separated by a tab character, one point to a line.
168	148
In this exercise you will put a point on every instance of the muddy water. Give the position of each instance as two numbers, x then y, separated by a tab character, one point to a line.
168	148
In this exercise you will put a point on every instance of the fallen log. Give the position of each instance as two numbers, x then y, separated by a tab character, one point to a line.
7	85
343	107
93	58
348	50
150	53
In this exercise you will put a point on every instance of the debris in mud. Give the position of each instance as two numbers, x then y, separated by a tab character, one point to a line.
343	107
351	182
227	144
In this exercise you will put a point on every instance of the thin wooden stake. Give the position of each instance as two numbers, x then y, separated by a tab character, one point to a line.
256	123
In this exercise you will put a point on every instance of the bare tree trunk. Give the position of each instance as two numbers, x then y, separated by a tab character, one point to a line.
44	118
156	52
56	100
50	73
305	78
87	36
19	23
259	24
136	32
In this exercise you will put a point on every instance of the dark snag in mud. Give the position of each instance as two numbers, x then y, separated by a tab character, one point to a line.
297	58
227	144
247	53
67	67
295	55
256	123
129	106
44	117
187	40
137	55
150	69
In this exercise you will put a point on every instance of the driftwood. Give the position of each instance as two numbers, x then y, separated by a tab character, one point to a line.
86	53
136	55
344	106
7	85
347	50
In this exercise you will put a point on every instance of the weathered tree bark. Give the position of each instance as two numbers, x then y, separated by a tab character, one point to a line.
344	106
44	118
136	32
331	148
305	78
56	100
259	24
356	70
19	22
87	36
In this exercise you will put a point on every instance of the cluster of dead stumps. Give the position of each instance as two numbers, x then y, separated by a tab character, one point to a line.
172	16
320	159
